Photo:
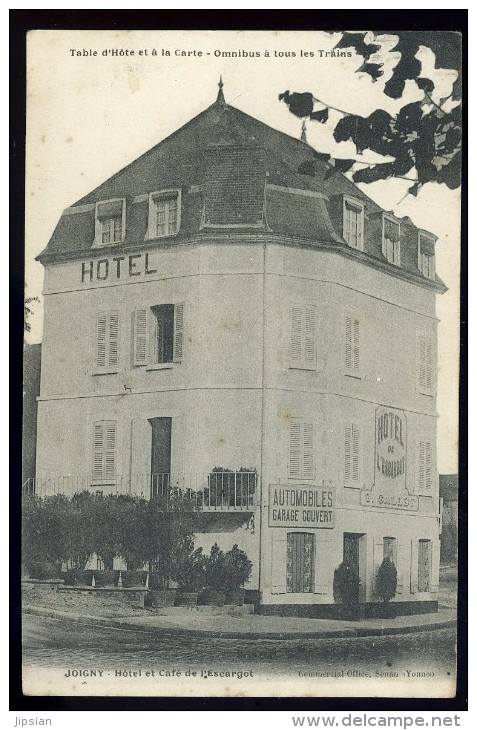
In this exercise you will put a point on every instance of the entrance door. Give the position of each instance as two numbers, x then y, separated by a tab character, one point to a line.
160	456
424	566
351	554
300	562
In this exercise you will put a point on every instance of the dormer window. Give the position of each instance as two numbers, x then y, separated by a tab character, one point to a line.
164	213
353	223
391	245
110	222
426	256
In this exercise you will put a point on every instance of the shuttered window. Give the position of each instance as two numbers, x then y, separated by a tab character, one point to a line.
391	241
303	337
425	466
351	453
426	256
301	460
104	450
426	364
352	344
424	566
158	334
353	224
107	340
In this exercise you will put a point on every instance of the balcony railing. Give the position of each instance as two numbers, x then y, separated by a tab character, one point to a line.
218	491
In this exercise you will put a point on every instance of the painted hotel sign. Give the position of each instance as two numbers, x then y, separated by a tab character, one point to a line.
300	506
390	463
390	449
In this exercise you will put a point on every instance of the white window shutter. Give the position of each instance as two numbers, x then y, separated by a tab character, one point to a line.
309	349
356	344
429	364
308	471
178	332
104	453
347	453
296	335
113	356
140	337
98	450
346	223
279	562
110	450
422	364
422	465
323	566
355	453
101	340
428	484
349	345
294	454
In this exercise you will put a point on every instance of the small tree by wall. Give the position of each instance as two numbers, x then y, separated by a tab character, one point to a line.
346	584
386	580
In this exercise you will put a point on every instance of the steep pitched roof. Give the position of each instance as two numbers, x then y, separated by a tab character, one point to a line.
234	170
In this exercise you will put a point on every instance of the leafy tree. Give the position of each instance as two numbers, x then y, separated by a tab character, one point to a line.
28	311
386	580
423	138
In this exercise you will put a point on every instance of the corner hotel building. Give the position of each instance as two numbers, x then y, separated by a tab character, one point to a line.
232	317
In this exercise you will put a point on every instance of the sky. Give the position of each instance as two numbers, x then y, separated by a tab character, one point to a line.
90	115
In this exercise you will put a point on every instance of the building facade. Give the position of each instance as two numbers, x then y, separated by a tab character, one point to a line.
231	317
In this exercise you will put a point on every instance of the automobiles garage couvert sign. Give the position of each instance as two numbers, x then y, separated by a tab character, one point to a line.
300	505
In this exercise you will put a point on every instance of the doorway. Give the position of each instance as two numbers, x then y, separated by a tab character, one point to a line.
160	456
354	553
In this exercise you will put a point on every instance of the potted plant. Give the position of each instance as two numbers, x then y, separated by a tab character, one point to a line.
346	589
190	577
238	569
215	576
386	584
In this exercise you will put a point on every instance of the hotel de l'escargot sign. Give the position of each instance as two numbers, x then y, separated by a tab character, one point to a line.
390	463
300	505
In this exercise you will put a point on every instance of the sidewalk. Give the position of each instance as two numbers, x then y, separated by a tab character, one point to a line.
193	623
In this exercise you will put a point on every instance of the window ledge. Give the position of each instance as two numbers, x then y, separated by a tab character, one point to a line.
311	368
160	366
352	486
105	372
153	237
426	393
353	375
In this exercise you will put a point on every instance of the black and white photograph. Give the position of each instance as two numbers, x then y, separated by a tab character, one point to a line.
241	363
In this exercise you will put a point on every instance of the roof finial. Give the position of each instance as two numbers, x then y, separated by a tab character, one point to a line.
220	95
303	131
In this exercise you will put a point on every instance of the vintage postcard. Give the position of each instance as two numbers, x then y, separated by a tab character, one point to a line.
241	363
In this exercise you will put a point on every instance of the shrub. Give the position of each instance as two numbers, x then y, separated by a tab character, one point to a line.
386	580
238	568
43	570
131	578
215	569
190	572
346	584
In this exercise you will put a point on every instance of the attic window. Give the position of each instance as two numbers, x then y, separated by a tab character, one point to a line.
110	222
426	256
391	244
353	223
164	213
